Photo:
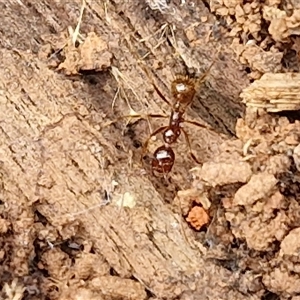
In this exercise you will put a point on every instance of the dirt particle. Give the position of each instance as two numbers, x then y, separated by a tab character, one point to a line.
291	243
4	226
118	288
91	55
197	217
259	186
296	157
217	173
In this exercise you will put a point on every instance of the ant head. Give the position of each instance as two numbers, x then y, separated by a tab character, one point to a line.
163	160
183	89
171	134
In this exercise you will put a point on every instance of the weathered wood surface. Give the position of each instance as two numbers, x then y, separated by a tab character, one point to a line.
65	165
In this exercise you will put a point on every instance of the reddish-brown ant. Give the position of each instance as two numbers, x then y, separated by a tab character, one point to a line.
183	90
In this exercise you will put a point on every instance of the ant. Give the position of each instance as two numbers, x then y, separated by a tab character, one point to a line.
183	90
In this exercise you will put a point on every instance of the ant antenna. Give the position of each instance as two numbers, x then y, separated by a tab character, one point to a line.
200	80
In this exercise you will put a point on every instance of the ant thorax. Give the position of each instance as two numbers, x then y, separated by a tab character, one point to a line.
176	115
171	134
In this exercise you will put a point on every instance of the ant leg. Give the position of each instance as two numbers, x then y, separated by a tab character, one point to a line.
202	78
160	94
195	123
134	116
157	116
145	146
190	147
145	69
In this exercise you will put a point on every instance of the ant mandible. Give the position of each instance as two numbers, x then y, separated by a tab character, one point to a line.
183	90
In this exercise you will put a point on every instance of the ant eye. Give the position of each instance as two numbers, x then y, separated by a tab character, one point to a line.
137	144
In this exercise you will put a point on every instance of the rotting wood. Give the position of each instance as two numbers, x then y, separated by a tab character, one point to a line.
274	92
65	170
